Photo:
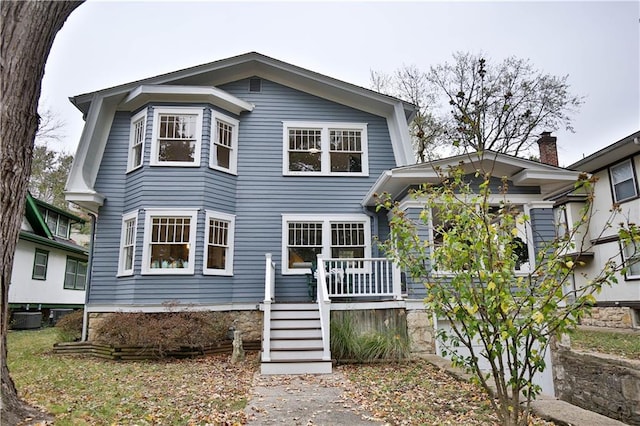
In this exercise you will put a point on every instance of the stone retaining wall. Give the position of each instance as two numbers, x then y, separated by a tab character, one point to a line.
421	333
606	384
615	317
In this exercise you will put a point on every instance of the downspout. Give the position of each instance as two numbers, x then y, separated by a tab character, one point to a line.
85	316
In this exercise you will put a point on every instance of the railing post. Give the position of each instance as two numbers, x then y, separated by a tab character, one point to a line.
324	305
269	292
397	282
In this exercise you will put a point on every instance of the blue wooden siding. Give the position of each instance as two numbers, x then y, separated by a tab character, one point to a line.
543	226
258	196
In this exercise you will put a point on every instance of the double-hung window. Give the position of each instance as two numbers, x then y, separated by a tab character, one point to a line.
169	241
136	140
75	277
177	137
333	236
320	148
128	243
57	223
631	256
219	236
40	263
623	181
224	146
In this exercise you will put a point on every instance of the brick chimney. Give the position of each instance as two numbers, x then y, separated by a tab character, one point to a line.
548	150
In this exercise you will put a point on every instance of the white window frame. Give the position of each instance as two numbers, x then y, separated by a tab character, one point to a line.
527	233
231	220
127	217
633	180
635	256
213	151
326	221
155	145
151	213
133	142
325	153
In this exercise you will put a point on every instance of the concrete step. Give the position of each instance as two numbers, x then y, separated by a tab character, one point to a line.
295	314
294	343
296	367
294	324
310	354
314	333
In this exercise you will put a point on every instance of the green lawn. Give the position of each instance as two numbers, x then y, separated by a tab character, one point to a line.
622	344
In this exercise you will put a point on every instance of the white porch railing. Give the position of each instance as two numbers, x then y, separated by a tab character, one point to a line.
360	277
324	305
269	297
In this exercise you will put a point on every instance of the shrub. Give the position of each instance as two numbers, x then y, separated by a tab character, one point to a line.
69	327
162	332
348	344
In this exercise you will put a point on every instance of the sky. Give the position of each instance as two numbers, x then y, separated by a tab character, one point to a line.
597	44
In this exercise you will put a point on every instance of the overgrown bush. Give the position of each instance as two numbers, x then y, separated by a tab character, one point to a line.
162	332
348	344
69	327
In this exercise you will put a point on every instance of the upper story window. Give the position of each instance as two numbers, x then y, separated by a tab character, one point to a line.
177	137
40	264
319	148
623	181
219	238
224	146
128	243
169	241
136	140
335	236
58	224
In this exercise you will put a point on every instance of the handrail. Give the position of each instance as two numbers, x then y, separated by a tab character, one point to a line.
269	297
362	277
324	306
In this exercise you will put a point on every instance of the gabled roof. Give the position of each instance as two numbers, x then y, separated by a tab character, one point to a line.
199	84
609	155
41	233
520	171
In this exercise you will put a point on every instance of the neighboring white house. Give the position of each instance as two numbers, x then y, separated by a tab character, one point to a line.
49	269
616	167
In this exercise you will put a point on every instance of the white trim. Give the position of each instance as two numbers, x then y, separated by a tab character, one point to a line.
493	199
540	204
326	221
231	219
198	112
173	308
325	162
142	115
133	215
193	228
233	156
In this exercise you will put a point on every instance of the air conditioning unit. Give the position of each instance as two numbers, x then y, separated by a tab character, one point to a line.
26	320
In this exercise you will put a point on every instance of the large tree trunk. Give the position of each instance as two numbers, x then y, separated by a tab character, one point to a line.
28	31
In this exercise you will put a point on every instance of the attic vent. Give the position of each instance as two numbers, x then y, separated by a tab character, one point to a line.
255	85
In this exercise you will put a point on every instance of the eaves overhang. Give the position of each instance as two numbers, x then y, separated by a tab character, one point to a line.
144	94
609	155
67	246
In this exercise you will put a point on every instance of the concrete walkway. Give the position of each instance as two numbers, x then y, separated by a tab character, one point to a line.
304	400
311	400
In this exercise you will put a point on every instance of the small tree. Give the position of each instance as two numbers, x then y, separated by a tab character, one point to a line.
472	281
49	172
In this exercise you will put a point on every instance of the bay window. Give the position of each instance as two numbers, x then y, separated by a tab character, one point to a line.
136	140
224	146
169	241
177	137
128	244
219	239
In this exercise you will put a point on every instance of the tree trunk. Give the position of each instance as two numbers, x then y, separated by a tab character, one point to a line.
27	34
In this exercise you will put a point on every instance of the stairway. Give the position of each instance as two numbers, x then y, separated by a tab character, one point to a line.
295	340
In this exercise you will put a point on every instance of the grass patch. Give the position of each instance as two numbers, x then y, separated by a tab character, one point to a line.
626	345
87	390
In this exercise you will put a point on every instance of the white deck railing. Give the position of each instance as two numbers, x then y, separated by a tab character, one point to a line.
269	297
324	305
360	277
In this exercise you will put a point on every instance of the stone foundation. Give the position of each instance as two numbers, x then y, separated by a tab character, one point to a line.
421	333
614	317
248	322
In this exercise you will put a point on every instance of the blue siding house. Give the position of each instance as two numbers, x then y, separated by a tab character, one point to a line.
224	186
